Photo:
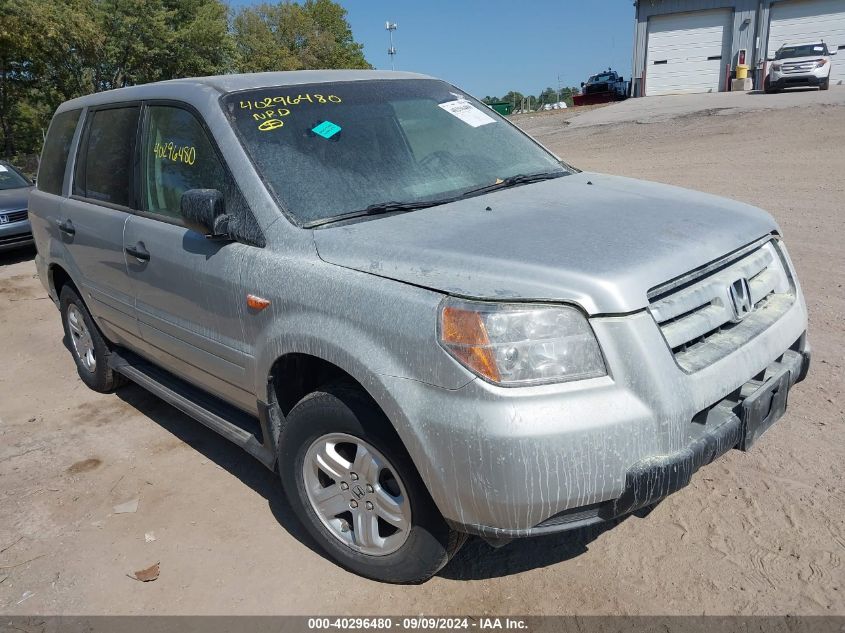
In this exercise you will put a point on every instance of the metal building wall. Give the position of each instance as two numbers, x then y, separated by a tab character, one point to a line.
743	35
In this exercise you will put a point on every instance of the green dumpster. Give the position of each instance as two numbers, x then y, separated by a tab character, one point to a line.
502	107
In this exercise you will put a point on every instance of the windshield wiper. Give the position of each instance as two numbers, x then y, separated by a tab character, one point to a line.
393	206
378	209
512	181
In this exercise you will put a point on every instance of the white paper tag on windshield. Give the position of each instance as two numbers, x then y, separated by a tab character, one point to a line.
467	112
3	168
818	48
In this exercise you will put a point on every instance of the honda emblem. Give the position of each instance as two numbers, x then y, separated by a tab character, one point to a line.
741	299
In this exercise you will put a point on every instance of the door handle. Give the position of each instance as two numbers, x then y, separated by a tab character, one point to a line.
67	228
139	252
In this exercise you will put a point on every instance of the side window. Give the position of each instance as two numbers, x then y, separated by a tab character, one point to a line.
104	165
51	172
177	156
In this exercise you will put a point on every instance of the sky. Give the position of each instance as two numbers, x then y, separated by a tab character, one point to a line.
489	48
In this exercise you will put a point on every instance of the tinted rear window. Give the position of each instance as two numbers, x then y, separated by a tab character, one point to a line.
104	167
51	173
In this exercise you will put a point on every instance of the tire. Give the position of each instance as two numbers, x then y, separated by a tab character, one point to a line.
767	87
87	346
341	419
824	85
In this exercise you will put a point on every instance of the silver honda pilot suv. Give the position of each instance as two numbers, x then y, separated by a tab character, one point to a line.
428	324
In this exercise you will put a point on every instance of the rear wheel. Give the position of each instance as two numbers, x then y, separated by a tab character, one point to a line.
353	486
87	346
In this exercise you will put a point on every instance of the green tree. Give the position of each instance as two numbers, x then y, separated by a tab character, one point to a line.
45	50
290	36
514	97
54	50
549	95
151	40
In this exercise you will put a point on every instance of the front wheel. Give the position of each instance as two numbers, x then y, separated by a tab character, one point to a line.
767	87
353	486
825	84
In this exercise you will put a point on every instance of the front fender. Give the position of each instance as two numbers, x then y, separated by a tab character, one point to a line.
366	325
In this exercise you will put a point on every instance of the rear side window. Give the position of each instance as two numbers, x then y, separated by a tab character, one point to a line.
177	156
104	166
51	172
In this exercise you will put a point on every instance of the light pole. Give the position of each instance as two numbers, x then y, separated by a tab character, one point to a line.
391	26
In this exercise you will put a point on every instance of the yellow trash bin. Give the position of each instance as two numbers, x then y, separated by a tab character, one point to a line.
741	71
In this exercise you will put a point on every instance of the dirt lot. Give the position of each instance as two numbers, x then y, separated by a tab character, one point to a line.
755	533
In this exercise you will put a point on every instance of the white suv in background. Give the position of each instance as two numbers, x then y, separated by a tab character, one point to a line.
800	65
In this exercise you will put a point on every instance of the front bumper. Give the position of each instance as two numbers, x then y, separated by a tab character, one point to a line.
15	234
507	463
725	426
736	422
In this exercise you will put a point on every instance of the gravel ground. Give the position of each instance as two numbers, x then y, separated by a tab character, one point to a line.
756	533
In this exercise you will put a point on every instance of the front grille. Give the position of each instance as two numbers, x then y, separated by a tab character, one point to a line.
23	238
14	216
799	67
699	319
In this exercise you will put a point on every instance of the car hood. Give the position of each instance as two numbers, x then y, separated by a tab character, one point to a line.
14	199
789	60
601	242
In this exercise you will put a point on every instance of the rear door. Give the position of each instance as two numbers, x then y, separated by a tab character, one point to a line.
91	222
189	301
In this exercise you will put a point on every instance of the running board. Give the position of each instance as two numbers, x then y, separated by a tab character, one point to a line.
219	416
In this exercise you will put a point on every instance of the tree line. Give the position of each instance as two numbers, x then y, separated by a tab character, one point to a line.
55	50
547	96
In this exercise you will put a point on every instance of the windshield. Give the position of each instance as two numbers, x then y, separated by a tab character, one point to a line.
805	50
11	179
331	149
602	77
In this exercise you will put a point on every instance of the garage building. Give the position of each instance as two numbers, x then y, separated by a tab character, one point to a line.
685	46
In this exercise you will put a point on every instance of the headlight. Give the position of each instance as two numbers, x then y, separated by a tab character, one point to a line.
776	66
520	344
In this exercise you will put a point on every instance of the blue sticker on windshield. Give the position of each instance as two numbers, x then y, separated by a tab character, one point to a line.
326	129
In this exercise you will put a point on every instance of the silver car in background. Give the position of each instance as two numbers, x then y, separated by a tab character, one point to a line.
428	324
15	231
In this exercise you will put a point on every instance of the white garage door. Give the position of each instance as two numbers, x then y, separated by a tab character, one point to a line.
687	52
804	21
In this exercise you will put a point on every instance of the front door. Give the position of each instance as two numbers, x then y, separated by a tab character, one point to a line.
187	288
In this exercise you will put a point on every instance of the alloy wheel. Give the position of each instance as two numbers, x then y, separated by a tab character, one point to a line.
80	338
357	494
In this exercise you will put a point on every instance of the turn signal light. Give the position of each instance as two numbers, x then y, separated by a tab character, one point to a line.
257	303
464	333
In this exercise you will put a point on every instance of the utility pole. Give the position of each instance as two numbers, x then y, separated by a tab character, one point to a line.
390	27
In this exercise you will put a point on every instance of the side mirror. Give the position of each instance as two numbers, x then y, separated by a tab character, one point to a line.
770	58
833	52
204	211
583	84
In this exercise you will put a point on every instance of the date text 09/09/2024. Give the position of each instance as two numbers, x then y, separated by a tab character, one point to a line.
417	623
